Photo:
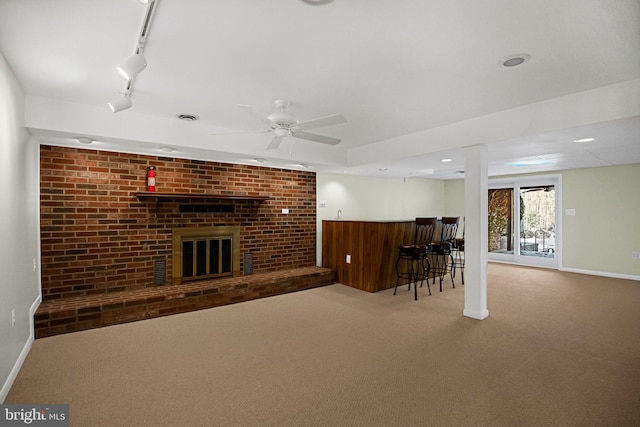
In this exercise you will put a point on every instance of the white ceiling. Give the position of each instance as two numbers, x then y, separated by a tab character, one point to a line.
417	80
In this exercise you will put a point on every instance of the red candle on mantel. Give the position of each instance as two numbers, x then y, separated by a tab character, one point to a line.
151	178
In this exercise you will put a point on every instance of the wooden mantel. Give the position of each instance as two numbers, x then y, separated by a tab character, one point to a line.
152	195
372	246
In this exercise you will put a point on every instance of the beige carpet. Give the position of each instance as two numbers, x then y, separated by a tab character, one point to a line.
559	349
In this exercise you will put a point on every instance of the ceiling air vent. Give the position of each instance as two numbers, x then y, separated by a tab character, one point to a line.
187	117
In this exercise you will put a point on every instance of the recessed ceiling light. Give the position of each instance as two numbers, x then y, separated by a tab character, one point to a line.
168	149
304	165
446	160
584	140
514	60
422	172
317	2
84	140
187	117
260	160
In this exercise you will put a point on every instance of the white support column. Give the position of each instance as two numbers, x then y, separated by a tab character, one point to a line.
475	239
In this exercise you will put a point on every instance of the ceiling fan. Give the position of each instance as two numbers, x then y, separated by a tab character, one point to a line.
284	124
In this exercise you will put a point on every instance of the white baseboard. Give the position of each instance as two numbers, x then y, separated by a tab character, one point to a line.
4	391
600	273
575	270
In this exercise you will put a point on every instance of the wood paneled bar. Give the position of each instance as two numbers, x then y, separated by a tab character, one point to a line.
373	247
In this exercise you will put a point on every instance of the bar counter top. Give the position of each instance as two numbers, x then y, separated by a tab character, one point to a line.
369	220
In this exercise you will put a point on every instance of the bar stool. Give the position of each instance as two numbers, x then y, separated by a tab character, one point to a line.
457	253
425	229
441	249
406	268
412	263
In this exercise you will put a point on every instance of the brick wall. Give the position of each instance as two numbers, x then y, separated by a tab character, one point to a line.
98	238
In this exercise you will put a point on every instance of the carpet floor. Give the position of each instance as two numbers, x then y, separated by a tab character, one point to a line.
558	349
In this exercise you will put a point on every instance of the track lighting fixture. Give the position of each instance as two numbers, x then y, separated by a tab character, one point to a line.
132	66
120	104
135	63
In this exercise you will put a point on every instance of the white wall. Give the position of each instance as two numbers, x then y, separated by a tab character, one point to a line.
19	228
375	199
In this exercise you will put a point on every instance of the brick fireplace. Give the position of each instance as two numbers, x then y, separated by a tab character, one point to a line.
97	237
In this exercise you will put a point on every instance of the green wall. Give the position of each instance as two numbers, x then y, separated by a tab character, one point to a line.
599	239
605	229
454	198
375	199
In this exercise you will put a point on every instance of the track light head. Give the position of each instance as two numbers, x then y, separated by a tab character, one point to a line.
120	104
132	66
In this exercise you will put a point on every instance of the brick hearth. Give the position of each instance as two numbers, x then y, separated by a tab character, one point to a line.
73	314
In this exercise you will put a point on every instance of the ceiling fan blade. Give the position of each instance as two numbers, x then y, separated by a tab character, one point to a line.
319	122
316	138
275	142
249	109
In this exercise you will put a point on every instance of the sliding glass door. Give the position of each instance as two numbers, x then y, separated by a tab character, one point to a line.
524	221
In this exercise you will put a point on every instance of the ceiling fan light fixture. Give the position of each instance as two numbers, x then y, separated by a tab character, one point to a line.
284	125
120	104
132	66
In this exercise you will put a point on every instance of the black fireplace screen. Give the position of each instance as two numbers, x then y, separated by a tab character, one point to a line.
206	257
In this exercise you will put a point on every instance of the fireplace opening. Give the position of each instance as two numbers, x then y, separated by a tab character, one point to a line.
206	258
205	253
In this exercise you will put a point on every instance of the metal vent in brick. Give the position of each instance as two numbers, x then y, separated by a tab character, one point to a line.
247	267
160	272
206	208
